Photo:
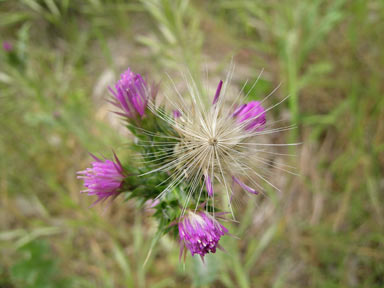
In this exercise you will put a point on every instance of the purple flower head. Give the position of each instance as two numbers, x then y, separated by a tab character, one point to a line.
131	94
200	233
7	46
252	114
104	179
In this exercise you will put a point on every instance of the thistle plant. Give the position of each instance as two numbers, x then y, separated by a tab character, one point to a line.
193	149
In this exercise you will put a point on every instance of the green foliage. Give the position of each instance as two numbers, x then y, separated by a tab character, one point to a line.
256	88
37	267
179	39
292	35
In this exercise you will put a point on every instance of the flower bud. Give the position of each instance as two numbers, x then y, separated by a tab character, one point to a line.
131	95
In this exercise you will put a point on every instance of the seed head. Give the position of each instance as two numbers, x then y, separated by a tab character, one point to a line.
216	143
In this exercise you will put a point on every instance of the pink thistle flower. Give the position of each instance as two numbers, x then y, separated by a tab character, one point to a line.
252	115
131	95
104	179
200	233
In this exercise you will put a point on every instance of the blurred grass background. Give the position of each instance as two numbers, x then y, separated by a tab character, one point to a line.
326	227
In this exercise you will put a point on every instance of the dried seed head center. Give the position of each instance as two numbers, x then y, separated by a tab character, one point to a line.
212	141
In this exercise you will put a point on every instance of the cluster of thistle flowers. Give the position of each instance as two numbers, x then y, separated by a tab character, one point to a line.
184	151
